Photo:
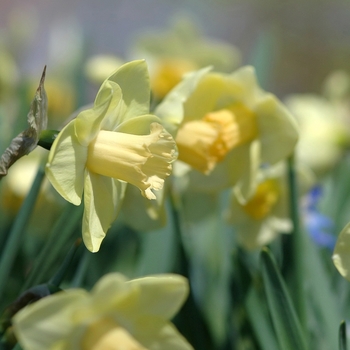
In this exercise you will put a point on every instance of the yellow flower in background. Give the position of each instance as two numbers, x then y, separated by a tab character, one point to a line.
99	67
15	187
114	143
226	127
266	214
117	314
324	123
324	130
181	49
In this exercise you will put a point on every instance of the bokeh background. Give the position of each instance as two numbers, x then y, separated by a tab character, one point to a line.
307	39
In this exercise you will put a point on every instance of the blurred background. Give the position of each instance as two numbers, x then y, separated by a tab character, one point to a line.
308	39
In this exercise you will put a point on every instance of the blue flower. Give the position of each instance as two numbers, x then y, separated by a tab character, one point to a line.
319	226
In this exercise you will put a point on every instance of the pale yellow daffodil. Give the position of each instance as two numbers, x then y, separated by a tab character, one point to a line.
341	254
226	127
113	143
117	315
181	49
324	130
99	67
266	214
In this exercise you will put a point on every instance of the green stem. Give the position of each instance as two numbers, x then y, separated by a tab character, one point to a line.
297	248
14	240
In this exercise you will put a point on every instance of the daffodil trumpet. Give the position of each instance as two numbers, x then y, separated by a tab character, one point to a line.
114	143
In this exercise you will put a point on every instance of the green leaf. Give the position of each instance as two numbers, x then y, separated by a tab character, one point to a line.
324	304
260	321
342	336
284	318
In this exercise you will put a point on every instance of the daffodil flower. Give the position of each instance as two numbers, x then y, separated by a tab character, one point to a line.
226	127
341	254
266	214
117	314
113	143
324	133
181	49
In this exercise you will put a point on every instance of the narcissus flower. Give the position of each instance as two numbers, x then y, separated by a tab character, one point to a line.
113	143
226	126
341	254
324	130
266	214
117	314
182	49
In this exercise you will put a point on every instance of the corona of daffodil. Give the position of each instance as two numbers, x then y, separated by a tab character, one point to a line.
226	127
117	315
113	143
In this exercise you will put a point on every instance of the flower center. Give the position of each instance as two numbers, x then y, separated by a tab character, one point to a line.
106	334
204	143
142	160
168	73
266	196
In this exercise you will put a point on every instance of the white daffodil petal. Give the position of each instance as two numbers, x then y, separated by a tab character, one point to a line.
66	165
170	110
245	78
162	295
277	127
102	200
168	338
341	254
138	125
44	323
247	183
225	174
213	92
133	80
88	122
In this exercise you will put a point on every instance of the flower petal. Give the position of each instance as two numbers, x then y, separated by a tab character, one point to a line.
102	201
246	185
277	127
133	80
40	325
160	295
224	175
171	110
167	338
66	165
88	122
249	90
341	255
138	126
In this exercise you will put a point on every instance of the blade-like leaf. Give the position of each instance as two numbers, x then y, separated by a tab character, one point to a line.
285	321
260	321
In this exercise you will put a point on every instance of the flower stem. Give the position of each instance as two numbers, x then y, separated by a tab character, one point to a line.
14	240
